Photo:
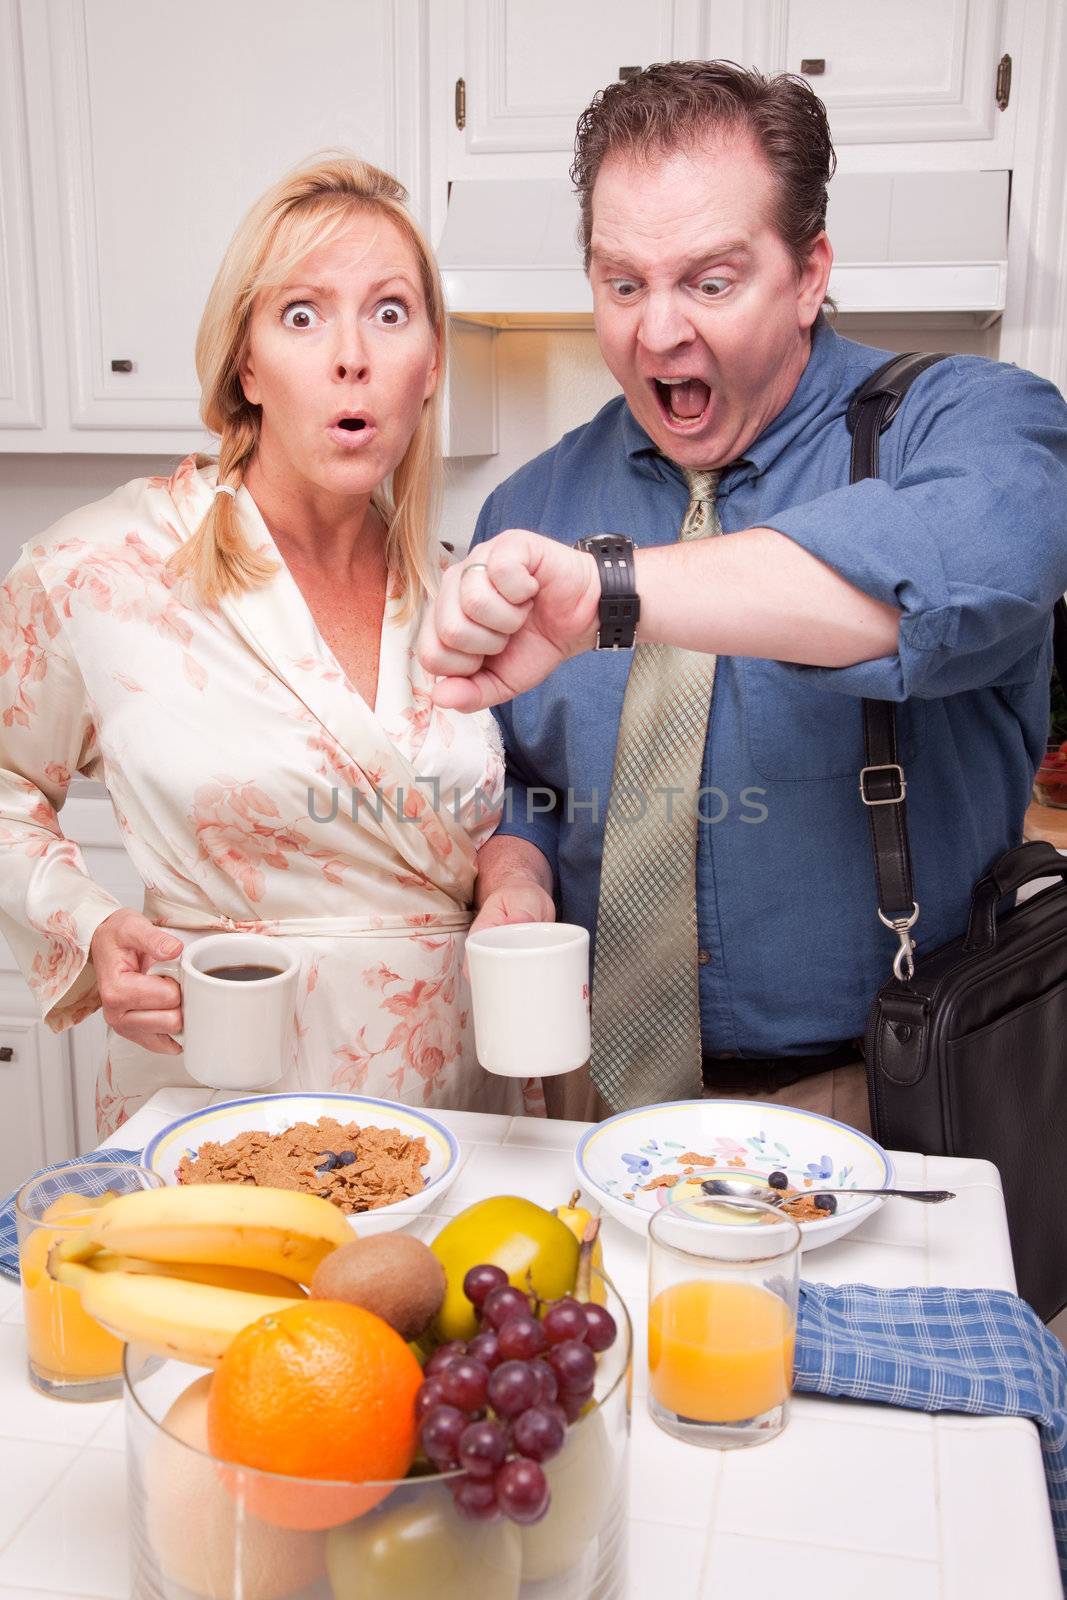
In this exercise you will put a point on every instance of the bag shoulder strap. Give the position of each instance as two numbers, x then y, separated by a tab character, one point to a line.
875	404
1059	640
882	782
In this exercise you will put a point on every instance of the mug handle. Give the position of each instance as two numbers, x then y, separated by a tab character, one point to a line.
171	969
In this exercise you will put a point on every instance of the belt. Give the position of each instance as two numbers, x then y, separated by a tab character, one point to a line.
764	1074
197	919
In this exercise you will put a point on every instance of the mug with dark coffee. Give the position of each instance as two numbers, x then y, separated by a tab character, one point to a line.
246	974
238	1008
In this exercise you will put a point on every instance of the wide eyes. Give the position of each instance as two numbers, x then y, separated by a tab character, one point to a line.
392	313
300	315
707	288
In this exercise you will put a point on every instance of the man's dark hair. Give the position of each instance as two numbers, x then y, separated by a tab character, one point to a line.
677	104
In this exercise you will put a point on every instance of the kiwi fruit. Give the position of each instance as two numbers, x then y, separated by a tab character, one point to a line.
392	1274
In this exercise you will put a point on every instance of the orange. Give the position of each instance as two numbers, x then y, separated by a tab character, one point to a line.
317	1391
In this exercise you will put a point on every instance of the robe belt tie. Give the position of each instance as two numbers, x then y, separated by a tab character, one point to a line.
198	919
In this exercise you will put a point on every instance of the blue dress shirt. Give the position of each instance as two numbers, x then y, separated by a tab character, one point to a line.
966	532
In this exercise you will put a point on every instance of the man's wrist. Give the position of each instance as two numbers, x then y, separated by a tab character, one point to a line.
507	861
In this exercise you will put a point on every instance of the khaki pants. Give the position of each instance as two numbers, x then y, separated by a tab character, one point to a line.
840	1093
575	1097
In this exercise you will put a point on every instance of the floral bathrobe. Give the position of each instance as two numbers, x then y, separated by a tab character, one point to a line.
255	790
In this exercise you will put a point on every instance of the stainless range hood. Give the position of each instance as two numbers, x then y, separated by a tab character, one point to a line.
915	244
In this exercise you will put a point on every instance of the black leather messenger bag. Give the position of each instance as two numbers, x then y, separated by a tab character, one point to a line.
966	1047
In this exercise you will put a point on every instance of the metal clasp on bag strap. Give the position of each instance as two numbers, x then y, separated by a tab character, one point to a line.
890	800
904	960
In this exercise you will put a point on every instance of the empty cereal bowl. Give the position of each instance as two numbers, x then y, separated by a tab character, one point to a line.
641	1160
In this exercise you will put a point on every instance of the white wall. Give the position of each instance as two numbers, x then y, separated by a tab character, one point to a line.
549	382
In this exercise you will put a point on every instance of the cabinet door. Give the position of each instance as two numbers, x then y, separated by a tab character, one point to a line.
20	354
35	1090
169	122
917	72
531	66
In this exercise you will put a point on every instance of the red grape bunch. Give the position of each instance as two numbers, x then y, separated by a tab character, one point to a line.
498	1406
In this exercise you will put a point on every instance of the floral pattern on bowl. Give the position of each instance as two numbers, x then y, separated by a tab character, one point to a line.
760	1158
618	1158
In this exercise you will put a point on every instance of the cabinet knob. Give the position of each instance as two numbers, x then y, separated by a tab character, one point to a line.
626	73
6	1053
813	66
122	366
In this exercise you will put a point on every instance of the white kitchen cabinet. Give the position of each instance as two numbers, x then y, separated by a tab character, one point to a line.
48	1084
150	130
131	138
36	1088
918	72
529	66
20	369
919	76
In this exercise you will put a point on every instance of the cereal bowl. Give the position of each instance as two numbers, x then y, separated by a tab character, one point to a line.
274	1113
626	1162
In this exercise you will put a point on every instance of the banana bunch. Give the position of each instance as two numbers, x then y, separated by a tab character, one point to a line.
182	1270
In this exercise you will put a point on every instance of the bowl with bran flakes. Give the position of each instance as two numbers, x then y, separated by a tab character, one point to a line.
378	1161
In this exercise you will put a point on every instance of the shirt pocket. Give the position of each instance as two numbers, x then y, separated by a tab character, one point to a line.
798	731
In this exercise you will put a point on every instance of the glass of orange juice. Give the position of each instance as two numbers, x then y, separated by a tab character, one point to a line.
722	1315
71	1357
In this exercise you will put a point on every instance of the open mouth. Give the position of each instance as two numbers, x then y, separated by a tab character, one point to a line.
683	402
356	428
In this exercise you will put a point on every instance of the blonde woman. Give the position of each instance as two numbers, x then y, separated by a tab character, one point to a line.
230	651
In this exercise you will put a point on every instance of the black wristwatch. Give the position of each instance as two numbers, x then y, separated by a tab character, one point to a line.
620	607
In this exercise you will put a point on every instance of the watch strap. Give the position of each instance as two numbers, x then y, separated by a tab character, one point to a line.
620	607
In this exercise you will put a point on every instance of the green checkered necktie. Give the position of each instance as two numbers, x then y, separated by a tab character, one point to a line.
646	1004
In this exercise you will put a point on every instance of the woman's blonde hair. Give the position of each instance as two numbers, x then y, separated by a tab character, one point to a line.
308	208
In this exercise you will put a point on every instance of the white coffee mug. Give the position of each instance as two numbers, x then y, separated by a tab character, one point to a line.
530	993
237	1031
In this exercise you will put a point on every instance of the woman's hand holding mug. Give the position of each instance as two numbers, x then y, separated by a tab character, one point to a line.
141	1006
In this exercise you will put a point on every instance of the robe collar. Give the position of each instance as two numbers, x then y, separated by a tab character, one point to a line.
276	624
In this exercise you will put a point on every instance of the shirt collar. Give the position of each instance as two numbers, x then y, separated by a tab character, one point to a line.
819	387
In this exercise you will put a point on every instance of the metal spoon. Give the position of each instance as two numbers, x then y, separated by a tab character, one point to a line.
770	1196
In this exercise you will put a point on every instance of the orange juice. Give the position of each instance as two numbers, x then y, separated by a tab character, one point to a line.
64	1342
719	1351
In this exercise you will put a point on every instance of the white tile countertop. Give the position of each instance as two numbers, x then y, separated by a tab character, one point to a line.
850	1499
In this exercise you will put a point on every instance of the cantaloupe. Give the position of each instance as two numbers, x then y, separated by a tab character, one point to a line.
195	1528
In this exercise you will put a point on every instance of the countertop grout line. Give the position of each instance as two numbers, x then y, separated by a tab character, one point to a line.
822	1544
704	1575
938	1508
79	1451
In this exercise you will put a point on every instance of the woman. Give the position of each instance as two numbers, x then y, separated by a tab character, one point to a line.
231	651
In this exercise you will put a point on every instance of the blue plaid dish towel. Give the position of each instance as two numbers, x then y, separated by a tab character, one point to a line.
982	1351
9	1246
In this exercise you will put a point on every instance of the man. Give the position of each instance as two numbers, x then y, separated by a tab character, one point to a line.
696	802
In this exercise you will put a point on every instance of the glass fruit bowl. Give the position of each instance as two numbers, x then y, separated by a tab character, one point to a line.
1050	783
202	1529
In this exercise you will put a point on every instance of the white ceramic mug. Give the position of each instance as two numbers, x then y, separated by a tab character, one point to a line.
530	993
237	1034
